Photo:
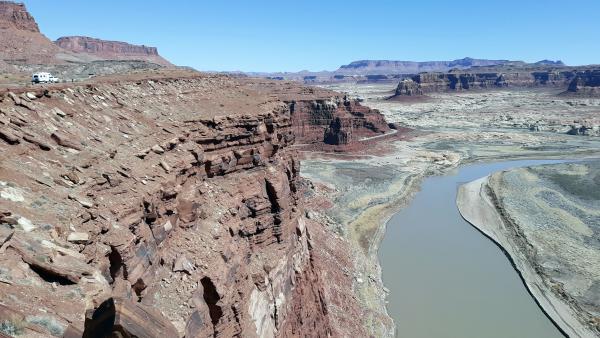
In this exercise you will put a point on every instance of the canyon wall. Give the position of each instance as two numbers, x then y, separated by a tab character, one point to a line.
457	81
586	83
165	205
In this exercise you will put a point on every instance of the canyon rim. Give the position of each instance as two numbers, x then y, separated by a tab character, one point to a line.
143	198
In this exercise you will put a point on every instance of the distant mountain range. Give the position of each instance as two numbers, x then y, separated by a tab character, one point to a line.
412	67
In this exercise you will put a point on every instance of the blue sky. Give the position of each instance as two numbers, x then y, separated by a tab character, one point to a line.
322	35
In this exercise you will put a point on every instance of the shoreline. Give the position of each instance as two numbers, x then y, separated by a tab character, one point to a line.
374	296
476	206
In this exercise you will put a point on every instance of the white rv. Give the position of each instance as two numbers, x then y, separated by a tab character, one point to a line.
43	77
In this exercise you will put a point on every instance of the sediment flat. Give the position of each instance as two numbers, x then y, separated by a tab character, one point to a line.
545	218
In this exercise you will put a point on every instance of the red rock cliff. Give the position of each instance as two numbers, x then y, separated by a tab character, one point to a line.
112	50
21	41
15	15
169	205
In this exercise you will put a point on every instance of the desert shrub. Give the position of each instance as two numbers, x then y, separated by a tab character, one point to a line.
55	328
11	327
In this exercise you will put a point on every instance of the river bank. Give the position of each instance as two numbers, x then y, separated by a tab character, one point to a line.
439	269
366	190
555	255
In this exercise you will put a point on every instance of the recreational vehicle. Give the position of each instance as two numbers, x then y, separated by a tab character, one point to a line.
43	77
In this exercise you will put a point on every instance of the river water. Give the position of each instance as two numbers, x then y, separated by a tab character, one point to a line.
446	279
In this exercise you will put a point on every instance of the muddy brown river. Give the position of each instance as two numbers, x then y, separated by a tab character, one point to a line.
446	279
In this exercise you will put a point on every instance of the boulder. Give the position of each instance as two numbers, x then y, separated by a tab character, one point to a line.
78	237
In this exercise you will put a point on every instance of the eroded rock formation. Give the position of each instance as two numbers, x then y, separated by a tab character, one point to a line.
586	83
21	40
165	203
25	50
15	15
329	116
408	87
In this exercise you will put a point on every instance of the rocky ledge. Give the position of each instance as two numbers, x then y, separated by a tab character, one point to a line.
546	219
165	204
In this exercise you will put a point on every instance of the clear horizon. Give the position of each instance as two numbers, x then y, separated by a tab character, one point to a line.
285	37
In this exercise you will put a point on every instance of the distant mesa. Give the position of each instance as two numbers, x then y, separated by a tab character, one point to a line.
557	63
414	67
393	70
25	50
583	81
111	50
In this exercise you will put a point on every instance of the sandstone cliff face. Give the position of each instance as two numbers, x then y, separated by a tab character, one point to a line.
457	81
408	87
334	119
110	50
21	41
24	49
171	204
586	83
15	15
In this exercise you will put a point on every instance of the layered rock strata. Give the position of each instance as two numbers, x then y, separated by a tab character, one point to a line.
459	81
25	50
21	41
111	50
15	15
170	202
334	119
586	83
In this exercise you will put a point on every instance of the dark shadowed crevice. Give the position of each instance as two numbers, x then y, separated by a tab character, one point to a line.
50	276
275	207
117	268
211	298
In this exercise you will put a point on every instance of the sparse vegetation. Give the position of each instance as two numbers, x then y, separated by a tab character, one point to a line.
11	327
55	328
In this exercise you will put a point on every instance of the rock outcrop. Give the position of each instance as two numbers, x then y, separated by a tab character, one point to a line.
111	50
15	15
24	49
408	87
424	83
586	83
22	42
163	201
335	119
